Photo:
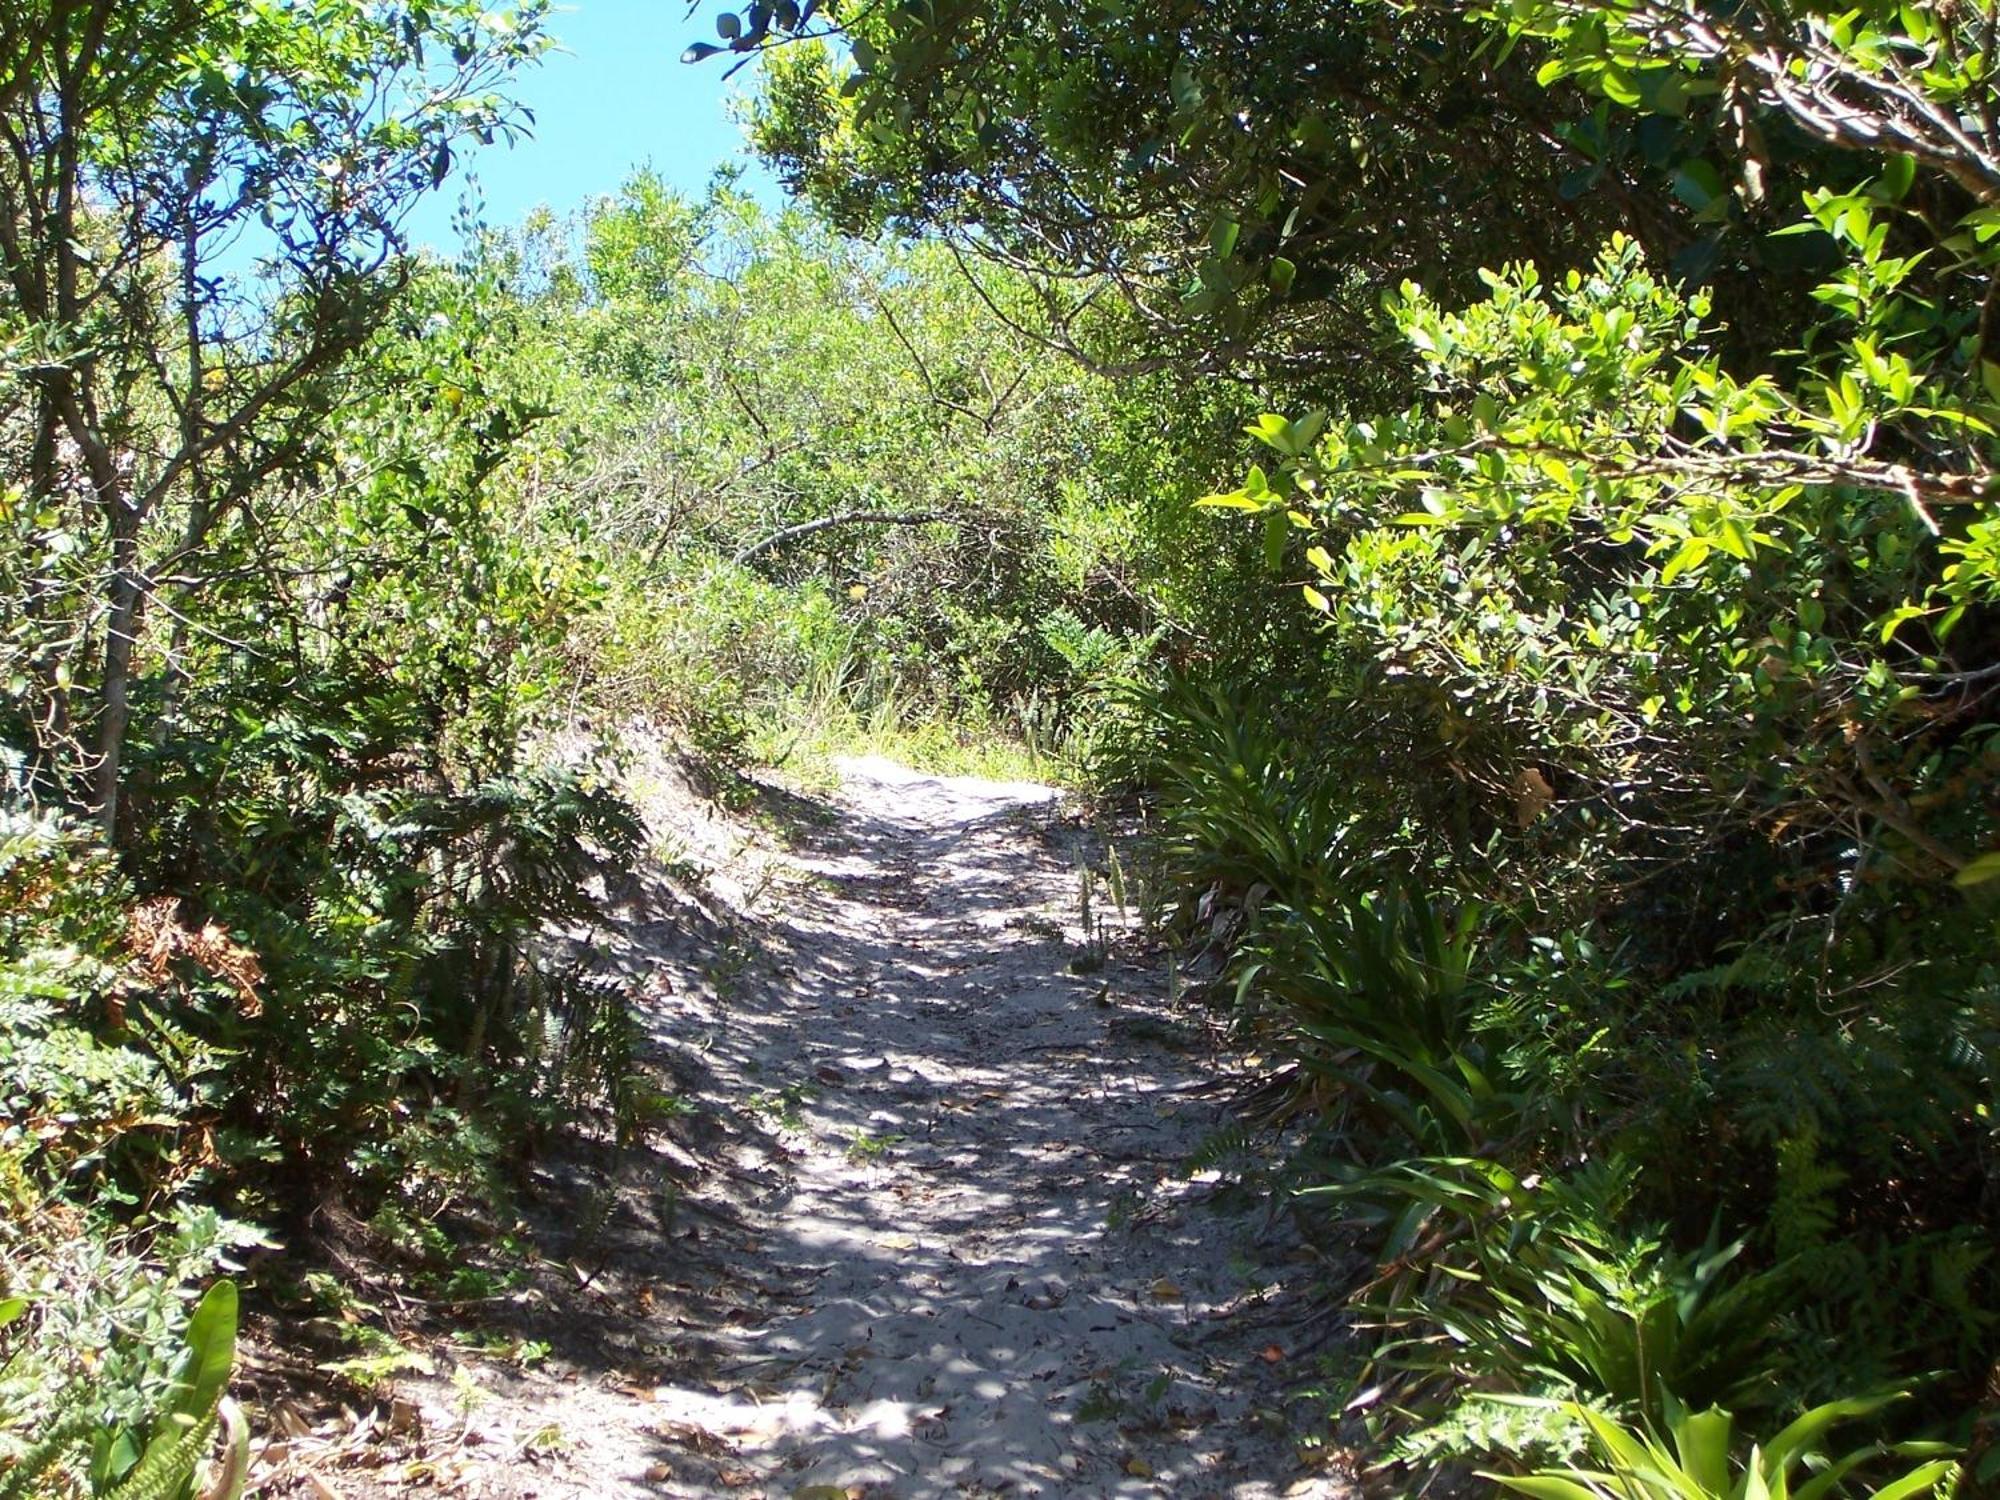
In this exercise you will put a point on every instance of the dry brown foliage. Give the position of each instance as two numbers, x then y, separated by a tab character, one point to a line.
155	937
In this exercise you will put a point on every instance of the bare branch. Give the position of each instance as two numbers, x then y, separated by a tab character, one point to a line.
847	518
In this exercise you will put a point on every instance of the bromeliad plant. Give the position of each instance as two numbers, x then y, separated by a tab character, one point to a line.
1696	1460
1488	1280
1245	818
1376	994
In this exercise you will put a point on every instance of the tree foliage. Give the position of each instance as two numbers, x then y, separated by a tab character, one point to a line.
1244	180
156	394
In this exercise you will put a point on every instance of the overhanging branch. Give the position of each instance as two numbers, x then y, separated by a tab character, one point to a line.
846	518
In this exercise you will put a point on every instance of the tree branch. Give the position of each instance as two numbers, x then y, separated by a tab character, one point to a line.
846	518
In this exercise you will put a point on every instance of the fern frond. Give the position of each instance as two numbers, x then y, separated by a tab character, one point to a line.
68	1426
1229	1143
163	1473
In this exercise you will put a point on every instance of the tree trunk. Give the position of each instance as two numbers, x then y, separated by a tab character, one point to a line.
121	632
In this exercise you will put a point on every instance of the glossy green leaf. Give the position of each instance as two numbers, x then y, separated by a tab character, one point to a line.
1978	871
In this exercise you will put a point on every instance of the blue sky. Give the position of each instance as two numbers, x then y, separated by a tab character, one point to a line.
614	97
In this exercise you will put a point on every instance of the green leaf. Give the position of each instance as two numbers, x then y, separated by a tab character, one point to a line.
1898	174
112	1454
1989	376
1702	1441
1827	1482
1804	1433
1273	431
1697	183
211	1340
1918	1482
1620	1447
1276	529
1692	554
1979	871
1546	1486
1755	1485
1617	86
1898	617
1283	273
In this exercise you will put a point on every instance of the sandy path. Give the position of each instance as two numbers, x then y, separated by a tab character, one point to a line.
978	1267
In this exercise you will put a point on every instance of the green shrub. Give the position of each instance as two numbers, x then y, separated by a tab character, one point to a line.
1696	1461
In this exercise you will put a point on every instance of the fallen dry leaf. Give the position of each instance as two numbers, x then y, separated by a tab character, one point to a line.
1138	1468
1272	1355
1165	1290
1532	796
693	1435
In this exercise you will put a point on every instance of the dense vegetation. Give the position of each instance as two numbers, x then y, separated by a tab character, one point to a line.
1567	723
1613	859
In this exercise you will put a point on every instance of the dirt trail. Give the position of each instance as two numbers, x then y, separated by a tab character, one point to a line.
961	1255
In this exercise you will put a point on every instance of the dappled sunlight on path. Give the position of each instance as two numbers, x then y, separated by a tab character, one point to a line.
977	1266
